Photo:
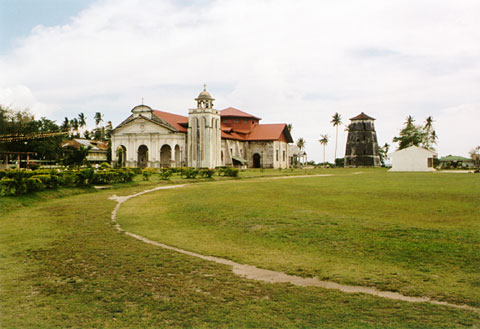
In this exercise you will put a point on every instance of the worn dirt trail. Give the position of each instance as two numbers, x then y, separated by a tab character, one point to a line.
255	273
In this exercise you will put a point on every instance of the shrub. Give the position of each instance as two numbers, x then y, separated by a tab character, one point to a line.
104	165
166	173
45	179
207	172
231	172
7	186
34	184
84	177
147	172
190	173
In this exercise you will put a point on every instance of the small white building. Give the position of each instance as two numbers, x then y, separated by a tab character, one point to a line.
412	158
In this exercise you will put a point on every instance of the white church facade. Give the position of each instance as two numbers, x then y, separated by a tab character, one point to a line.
207	138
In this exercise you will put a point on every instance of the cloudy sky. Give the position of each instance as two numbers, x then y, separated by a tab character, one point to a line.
292	61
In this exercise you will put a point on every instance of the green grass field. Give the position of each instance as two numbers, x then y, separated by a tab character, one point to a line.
63	264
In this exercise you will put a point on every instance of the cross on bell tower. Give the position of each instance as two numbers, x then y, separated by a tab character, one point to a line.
204	100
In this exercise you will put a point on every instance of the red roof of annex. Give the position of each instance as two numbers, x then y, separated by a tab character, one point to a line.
259	132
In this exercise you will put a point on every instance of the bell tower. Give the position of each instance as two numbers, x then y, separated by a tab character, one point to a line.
203	136
362	146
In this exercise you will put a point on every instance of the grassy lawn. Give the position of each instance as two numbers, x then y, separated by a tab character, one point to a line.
64	265
418	234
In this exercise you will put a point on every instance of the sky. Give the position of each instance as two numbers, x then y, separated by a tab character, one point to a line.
286	61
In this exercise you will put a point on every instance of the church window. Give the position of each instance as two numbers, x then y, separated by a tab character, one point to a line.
284	155
235	121
245	121
276	156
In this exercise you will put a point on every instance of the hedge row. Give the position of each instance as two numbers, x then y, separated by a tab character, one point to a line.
189	173
15	182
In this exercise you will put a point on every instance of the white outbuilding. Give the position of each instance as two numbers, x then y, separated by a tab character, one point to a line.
412	158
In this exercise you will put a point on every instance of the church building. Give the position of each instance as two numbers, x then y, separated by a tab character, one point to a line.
207	138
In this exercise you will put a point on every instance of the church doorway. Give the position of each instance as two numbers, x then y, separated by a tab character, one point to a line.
121	156
142	156
177	156
256	160
165	156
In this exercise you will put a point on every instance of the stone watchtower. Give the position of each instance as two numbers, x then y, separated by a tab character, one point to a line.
362	146
204	137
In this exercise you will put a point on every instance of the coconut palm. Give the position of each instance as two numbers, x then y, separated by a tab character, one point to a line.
324	141
430	134
289	127
301	143
336	121
66	125
82	120
74	125
98	118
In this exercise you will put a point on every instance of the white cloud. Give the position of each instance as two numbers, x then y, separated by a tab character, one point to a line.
22	98
285	61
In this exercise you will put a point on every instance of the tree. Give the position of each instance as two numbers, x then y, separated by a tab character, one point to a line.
22	133
431	136
324	141
75	156
74	124
336	121
82	120
66	125
98	118
475	155
383	153
301	143
416	135
289	127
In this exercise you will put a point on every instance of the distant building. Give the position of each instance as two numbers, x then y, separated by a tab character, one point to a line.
207	138
97	152
362	146
412	158
456	161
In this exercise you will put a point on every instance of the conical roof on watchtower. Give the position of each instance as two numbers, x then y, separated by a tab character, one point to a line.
362	116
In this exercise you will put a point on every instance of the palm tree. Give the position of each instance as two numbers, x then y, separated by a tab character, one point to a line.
66	125
98	118
82	120
301	143
324	142
74	125
289	127
430	134
336	121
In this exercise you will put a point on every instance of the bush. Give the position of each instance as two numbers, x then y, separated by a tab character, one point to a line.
166	173
190	173
7	186
45	179
231	172
104	165
207	172
20	181
84	177
34	184
147	172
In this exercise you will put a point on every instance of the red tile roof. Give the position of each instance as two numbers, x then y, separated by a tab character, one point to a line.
174	120
362	116
260	132
267	132
233	112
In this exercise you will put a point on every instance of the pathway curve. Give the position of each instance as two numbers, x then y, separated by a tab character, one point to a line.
255	273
